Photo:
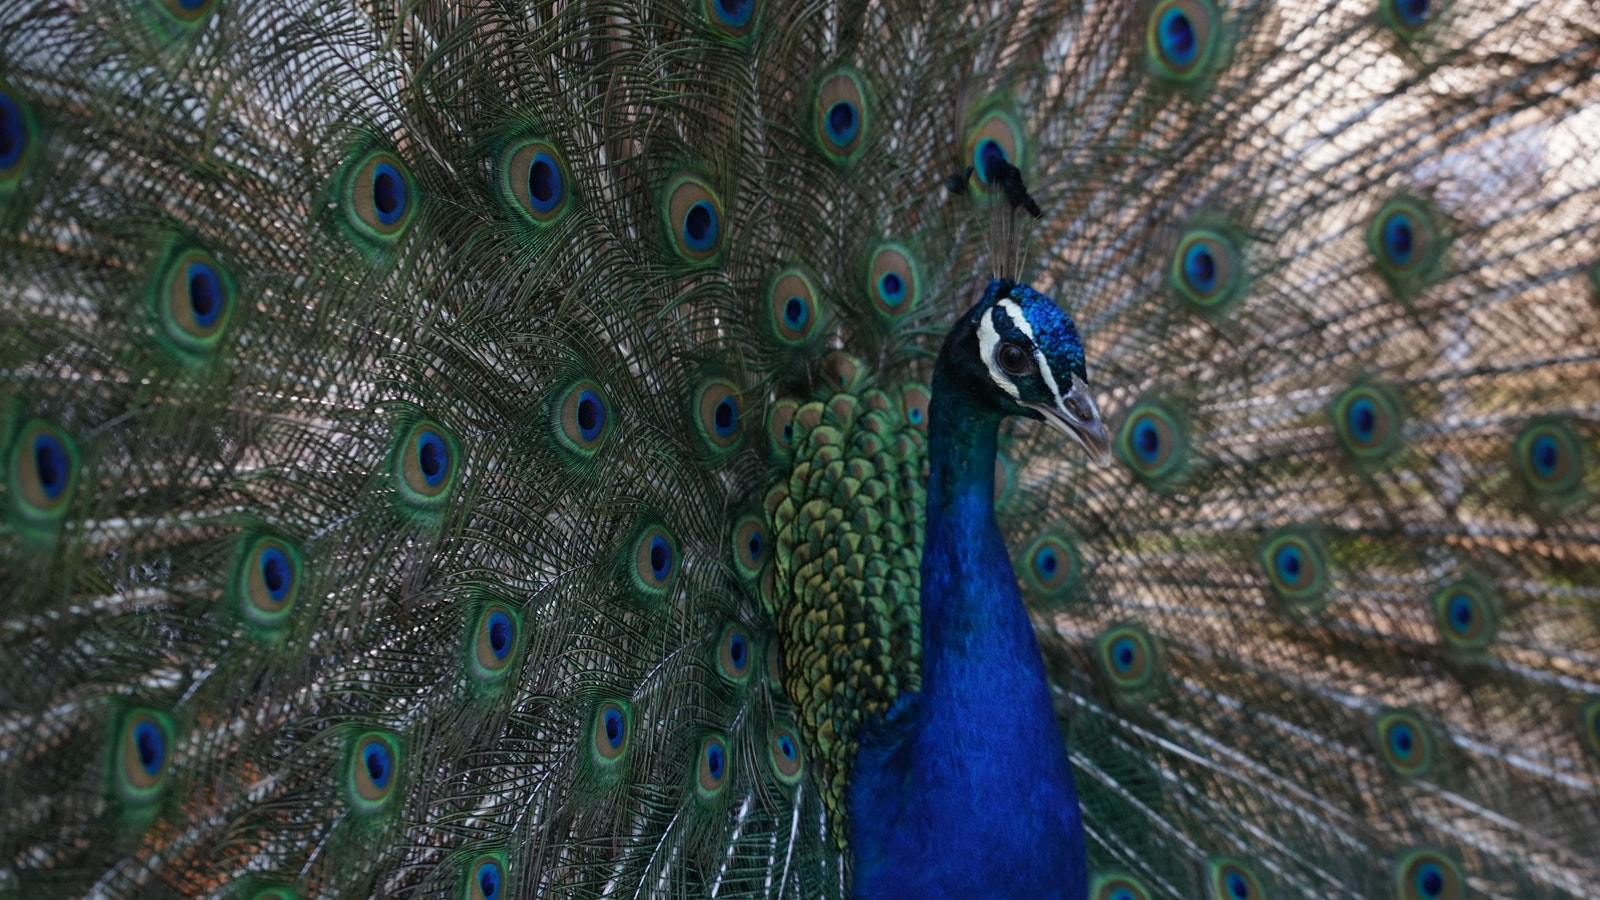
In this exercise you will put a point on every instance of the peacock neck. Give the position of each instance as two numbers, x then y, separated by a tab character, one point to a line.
974	626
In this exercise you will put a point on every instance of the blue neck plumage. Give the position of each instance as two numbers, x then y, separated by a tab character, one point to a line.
969	791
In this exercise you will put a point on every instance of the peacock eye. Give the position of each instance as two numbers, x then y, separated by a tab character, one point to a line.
1013	359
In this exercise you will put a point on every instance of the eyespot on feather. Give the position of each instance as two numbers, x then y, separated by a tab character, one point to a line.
841	114
1404	742
780	427
486	878
1466	615
751	544
493	642
372	771
425	462
1589	725
1207	270
653	561
1129	658
534	181
1428	875
193	297
1549	456
893	284
995	133
793	314
1296	568
267	581
1367	420
377	198
784	754
1154	443
914	399
718	415
1407	246
42	474
143	756
1118	886
19	138
734	652
1051	566
187	15
611	731
711	780
737	19
693	219
1409	19
1233	879
1184	40
583	418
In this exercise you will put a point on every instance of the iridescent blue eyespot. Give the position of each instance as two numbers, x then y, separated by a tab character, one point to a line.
733	655
1232	879
734	18
749	546
694	217
1118	886
1428	875
1404	742
843	122
1051	568
42	474
780	428
16	138
891	289
612	731
1549	454
1176	37
532	176
1184	40
545	187
1128	657
373	771
792	307
783	754
1296	569
1200	268
50	462
488	880
1399	238
389	193
713	775
193	298
376	198
1467	616
500	634
654	561
893	281
1154	442
1407	245
995	136
660	557
143	755
433	458
583	418
718	415
1408	18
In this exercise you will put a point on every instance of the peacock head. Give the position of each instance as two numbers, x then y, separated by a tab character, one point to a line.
1017	351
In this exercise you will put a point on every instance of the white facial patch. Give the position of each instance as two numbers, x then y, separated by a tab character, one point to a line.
988	339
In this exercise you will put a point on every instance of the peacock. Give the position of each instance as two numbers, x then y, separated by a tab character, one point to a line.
1114	449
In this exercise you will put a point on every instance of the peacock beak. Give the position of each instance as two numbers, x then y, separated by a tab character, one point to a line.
1079	419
